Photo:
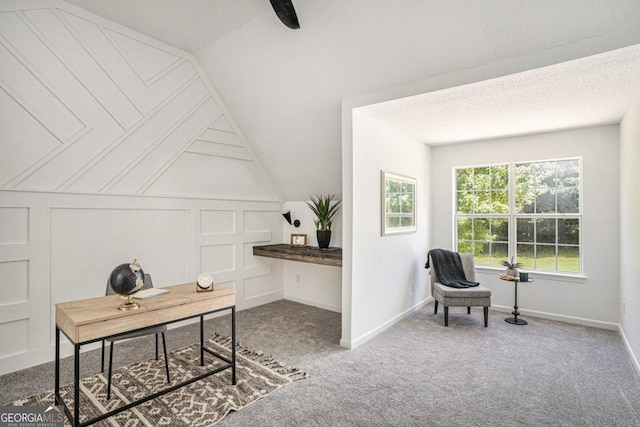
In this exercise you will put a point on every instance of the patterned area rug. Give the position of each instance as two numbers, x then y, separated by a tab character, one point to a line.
202	403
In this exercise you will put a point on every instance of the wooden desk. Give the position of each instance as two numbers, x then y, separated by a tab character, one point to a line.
94	319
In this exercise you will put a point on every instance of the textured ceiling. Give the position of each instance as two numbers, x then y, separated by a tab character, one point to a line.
583	92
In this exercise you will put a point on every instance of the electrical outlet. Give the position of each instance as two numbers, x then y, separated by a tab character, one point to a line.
297	278
624	307
413	286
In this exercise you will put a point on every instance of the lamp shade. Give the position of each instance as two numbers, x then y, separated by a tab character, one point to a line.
287	216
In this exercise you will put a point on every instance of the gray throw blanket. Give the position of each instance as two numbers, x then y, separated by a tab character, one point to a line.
448	268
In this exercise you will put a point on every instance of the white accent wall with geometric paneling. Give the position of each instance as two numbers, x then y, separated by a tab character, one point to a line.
115	146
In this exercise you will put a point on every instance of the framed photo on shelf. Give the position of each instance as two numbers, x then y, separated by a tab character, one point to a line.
299	240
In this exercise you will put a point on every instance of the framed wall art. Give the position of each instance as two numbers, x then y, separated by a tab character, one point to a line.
398	204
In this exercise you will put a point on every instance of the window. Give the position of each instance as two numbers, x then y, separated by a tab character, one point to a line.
529	210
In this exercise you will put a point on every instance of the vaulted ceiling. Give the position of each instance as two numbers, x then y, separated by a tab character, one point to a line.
284	87
186	24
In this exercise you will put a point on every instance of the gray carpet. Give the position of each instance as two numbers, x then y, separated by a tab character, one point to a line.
416	373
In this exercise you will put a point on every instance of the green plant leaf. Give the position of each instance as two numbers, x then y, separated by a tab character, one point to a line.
324	208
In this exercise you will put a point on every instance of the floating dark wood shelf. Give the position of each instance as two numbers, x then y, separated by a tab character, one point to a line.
314	255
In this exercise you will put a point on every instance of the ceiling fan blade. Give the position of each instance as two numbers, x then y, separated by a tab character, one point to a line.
287	14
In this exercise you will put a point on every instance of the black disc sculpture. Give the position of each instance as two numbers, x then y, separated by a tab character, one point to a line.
286	12
126	280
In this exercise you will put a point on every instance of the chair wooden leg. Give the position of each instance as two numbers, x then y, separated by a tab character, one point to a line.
486	316
166	358
110	366
435	307
446	316
468	310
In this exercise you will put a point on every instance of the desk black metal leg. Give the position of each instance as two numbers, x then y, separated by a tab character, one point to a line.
57	368
166	357
233	345
76	386
201	340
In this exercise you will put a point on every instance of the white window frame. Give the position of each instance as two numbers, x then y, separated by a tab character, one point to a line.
513	216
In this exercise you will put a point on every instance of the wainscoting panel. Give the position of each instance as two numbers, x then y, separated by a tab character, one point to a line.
218	259
256	221
226	243
132	160
148	62
69	244
220	150
228	284
220	136
23	58
217	222
198	175
14	337
17	229
115	146
97	108
28	131
95	36
66	46
258	290
83	255
14	282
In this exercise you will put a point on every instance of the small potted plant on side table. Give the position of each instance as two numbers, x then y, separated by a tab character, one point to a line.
324	207
512	267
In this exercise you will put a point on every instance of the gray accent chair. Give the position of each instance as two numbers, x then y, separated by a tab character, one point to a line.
150	331
478	296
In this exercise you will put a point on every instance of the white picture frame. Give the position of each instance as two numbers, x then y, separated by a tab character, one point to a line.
398	204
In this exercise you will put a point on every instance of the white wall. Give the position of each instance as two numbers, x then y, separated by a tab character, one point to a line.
592	300
386	279
285	87
312	284
630	229
114	146
577	48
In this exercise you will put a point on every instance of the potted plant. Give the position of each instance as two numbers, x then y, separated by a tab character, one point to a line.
512	267
324	207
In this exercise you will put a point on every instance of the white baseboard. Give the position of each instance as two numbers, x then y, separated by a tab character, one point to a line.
560	317
386	325
20	361
627	345
262	299
305	301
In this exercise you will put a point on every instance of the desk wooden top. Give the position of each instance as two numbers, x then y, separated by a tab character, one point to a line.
95	318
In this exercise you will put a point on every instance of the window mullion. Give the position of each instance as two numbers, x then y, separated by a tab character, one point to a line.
512	210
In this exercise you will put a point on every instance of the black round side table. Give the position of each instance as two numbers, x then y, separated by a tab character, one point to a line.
514	320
